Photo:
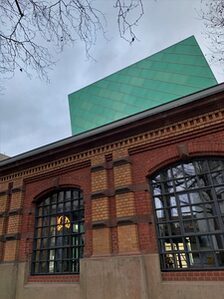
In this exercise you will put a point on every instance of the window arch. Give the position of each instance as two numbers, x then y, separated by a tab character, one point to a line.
189	211
59	233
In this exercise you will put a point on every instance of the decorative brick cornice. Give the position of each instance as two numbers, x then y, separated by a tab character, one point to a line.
135	219
201	123
96	168
17	189
11	212
120	190
10	237
123	189
121	161
3	193
99	194
15	212
3	214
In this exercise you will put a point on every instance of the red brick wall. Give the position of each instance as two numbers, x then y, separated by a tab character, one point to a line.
118	203
35	188
144	164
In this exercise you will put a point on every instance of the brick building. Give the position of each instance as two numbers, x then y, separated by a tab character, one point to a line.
133	209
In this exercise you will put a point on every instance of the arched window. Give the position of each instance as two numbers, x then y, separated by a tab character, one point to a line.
59	233
189	211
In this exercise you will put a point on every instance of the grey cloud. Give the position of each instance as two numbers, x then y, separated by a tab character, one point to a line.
34	113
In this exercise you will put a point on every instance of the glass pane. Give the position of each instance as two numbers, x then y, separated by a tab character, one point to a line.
53	209
180	185
178	172
59	233
189	206
219	192
221	207
47	201
201	167
189	169
160	214
52	242
60	208
46	211
38	242
39	233
75	205
163	229
184	199
186	212
157	190
37	255
75	194
68	195
215	165
60	197
54	198
218	178
158	203
68	206
40	212
188	226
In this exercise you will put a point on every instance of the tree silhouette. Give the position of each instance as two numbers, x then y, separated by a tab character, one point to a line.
213	16
29	27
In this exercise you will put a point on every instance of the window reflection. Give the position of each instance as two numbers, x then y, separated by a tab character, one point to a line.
189	204
59	233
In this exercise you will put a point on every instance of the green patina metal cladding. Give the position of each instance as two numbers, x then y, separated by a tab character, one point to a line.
175	72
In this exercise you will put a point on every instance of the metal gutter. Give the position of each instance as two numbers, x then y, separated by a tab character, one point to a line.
165	107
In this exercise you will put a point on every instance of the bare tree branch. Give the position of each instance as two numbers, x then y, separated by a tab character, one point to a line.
212	14
126	21
28	27
19	9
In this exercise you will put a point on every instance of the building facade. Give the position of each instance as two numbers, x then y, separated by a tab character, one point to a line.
172	73
133	209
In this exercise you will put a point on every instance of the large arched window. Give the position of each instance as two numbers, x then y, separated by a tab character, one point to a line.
59	233
189	210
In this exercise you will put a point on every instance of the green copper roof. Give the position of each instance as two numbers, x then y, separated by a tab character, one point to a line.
165	76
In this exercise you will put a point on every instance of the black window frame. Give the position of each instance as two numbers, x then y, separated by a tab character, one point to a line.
189	215
58	243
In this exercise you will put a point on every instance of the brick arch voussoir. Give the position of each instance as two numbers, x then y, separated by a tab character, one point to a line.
194	149
47	190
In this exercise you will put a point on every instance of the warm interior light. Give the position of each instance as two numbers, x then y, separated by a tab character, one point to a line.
63	221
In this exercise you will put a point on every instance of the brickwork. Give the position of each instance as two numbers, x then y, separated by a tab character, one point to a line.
120	153
4	186
100	209
128	162
122	175
99	180
194	276
3	203
2	225
125	205
101	242
36	188
18	183
53	279
13	224
97	159
10	251
128	238
16	201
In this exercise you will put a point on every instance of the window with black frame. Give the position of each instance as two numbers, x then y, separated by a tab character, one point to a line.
189	211
59	233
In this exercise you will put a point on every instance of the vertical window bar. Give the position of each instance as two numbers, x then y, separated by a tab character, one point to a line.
62	255
182	250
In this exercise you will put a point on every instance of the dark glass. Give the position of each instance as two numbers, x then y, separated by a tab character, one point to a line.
189	211
59	235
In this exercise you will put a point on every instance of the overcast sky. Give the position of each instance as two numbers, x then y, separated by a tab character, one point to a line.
34	113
